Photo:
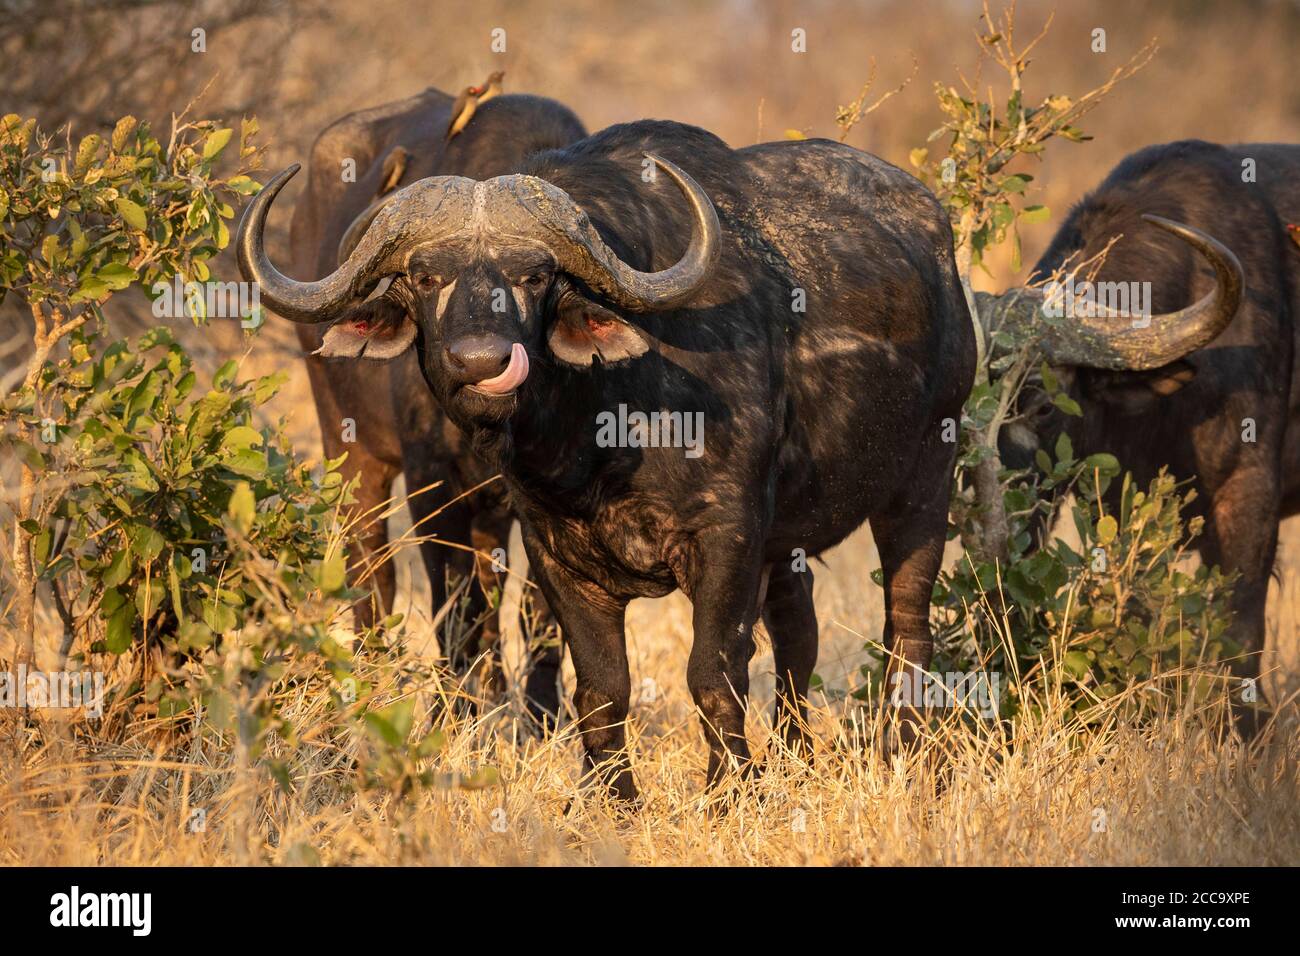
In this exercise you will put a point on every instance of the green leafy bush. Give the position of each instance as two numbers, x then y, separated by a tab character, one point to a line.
1120	607
167	487
146	498
179	538
80	224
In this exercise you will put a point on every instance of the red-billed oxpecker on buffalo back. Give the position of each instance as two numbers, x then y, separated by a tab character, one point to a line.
797	302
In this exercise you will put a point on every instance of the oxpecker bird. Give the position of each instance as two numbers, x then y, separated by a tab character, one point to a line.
462	111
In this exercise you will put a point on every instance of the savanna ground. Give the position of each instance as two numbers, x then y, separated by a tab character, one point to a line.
1176	791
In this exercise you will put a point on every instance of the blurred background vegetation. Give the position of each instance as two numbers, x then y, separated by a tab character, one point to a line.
1223	72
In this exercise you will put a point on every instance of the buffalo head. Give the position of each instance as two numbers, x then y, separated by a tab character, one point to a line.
1128	360
483	277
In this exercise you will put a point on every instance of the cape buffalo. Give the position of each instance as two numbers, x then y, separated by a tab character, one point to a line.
398	427
798	301
1212	391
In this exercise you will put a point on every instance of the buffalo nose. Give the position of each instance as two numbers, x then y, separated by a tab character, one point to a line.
473	358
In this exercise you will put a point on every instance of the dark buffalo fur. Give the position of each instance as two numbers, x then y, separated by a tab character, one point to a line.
1150	419
399	428
814	421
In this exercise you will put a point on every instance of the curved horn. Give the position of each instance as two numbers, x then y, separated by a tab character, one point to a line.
581	251
308	302
380	250
1111	340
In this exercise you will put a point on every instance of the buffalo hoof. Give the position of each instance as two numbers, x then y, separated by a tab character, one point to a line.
621	802
901	732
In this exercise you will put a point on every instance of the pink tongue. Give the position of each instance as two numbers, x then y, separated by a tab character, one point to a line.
512	377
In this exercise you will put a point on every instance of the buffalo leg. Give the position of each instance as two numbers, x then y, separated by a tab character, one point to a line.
910	538
1242	537
446	525
376	464
791	622
490	534
544	652
593	628
374	488
724	596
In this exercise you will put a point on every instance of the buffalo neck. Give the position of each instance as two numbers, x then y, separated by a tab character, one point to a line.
547	450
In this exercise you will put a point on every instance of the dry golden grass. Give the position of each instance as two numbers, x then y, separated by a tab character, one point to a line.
1176	792
1179	790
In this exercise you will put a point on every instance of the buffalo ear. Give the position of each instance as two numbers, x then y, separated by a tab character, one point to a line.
377	330
584	331
1137	392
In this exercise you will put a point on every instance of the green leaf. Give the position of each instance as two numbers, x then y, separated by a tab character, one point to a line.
1066	404
400	715
148	598
124	128
243	185
1064	448
116	276
219	617
132	212
119	568
118	636
431	743
29	456
1035	214
1107	464
332	574
50	249
240	437
392	724
91	288
247	462
1002	215
480	779
1077	664
225	375
146	542
41	546
1107	529
242	507
174	587
216	142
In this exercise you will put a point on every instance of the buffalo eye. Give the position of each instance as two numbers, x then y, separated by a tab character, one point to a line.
534	282
425	282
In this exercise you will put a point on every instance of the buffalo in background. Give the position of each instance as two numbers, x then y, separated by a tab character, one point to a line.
398	426
1212	392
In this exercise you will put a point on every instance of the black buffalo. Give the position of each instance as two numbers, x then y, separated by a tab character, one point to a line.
398	426
800	298
1212	392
